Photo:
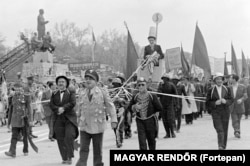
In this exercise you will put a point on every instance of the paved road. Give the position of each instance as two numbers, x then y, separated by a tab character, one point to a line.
200	135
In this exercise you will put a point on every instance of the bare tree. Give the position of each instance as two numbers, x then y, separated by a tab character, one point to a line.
2	47
69	39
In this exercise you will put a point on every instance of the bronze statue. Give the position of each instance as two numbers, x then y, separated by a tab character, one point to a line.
41	24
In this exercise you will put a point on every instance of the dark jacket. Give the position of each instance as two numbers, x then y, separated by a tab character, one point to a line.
21	107
241	93
213	96
168	88
148	51
154	105
68	103
247	101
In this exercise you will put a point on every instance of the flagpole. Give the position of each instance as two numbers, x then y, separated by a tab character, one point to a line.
156	32
93	45
126	25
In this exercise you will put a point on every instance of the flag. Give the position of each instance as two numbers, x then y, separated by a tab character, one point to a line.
248	65
93	46
184	63
200	55
225	67
132	57
235	69
245	70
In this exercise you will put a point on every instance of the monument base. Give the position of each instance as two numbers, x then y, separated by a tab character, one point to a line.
158	71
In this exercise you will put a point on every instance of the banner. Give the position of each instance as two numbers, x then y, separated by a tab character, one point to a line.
132	56
77	67
173	58
200	55
216	64
197	72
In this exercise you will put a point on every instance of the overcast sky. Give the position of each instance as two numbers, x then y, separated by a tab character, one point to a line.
220	21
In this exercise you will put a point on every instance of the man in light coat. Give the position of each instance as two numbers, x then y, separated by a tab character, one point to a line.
94	105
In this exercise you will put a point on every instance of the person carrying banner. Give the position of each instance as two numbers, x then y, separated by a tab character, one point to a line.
145	106
219	98
120	103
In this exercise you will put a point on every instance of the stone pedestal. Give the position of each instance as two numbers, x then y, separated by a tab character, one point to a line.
157	73
42	57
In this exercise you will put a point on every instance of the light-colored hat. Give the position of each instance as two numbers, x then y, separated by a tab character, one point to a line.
117	80
176	77
218	75
152	33
141	79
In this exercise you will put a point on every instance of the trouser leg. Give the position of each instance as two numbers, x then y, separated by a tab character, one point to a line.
85	139
70	134
25	140
13	142
141	134
218	125
151	133
97	147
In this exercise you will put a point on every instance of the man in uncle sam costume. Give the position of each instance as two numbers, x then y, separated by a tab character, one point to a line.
219	98
152	52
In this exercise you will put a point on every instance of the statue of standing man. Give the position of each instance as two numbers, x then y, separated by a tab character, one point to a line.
41	24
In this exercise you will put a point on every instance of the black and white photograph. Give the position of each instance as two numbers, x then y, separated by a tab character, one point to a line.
124	82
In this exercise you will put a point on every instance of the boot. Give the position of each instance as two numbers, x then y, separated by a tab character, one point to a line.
167	135
10	154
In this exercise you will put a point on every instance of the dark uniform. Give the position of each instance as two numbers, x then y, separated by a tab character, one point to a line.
20	110
169	105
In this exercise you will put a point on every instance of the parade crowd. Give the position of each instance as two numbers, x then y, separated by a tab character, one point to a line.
88	105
